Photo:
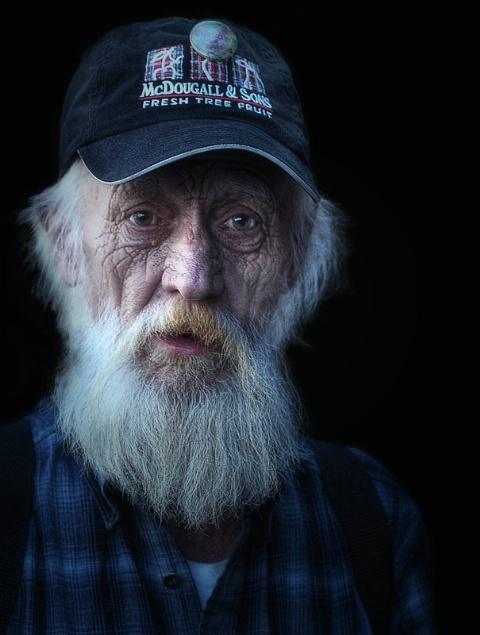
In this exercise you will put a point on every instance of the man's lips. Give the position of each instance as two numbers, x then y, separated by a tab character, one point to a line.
185	345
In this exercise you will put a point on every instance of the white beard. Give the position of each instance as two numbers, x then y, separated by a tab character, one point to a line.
196	439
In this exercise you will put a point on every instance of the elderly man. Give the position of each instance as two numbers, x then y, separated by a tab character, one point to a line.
184	246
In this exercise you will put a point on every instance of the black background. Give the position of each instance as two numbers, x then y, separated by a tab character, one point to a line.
374	374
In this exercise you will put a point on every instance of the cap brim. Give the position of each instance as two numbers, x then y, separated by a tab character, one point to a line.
121	158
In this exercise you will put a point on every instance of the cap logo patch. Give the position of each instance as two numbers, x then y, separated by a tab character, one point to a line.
205	69
217	76
164	63
247	74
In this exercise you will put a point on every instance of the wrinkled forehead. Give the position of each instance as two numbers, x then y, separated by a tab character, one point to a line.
235	167
214	174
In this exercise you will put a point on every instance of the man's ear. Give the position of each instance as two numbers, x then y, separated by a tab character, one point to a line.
59	239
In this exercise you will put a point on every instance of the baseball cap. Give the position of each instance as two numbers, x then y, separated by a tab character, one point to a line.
150	93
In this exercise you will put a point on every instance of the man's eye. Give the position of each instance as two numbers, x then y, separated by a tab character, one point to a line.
142	218
242	222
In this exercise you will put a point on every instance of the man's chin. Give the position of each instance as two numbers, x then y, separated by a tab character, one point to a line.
179	370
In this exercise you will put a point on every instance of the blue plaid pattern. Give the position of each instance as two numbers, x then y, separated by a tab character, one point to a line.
96	566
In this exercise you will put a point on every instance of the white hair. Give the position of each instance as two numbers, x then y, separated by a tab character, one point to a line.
318	252
55	223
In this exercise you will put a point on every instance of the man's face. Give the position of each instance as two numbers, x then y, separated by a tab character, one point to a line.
208	231
174	391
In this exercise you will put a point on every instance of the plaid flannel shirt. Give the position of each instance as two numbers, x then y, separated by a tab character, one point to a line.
95	565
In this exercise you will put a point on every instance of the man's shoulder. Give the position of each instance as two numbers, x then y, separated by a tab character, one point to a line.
38	424
316	450
41	421
50	456
392	491
403	512
60	476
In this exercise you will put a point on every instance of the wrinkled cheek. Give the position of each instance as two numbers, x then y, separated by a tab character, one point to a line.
103	290
128	283
269	300
263	289
276	285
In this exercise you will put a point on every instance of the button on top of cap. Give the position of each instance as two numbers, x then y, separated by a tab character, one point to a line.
213	40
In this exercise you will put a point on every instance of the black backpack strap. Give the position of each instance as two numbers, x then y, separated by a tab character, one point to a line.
361	513
17	466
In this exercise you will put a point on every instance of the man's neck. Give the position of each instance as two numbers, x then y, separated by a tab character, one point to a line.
210	543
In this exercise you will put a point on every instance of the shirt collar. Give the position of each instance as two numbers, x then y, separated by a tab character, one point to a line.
108	499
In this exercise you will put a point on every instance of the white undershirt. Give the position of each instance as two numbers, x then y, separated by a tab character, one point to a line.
205	576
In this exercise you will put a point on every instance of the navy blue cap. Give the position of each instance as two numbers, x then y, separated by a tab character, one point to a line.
150	93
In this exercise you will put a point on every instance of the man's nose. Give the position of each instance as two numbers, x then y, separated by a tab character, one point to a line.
193	265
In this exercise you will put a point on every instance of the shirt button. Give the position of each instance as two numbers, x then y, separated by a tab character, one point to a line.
171	580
